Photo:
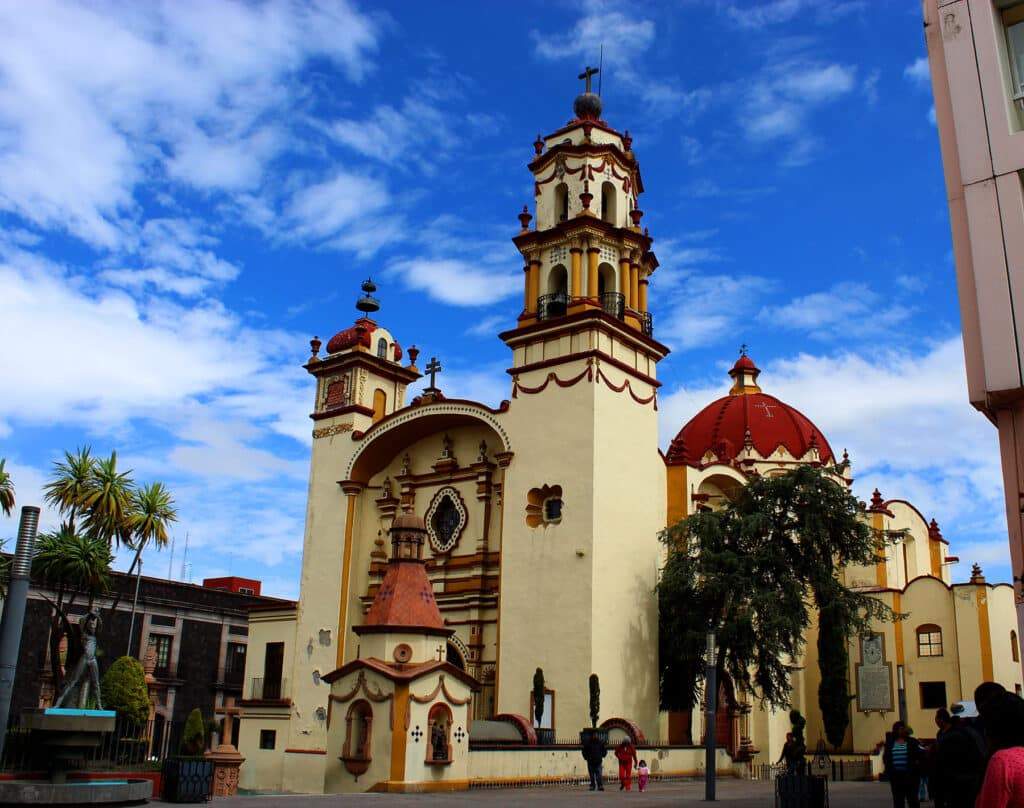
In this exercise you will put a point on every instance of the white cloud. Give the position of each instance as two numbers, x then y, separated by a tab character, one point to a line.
852	307
457	282
325	209
905	419
96	99
489	326
918	72
774	12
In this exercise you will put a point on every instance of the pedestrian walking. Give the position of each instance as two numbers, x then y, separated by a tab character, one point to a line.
902	758
643	774
958	763
625	752
1003	786
594	750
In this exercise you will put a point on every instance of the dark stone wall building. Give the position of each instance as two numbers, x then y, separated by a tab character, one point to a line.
198	636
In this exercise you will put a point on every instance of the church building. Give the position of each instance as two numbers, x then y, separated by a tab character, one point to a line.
452	547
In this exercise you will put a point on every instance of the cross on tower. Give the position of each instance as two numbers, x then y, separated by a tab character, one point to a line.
433	368
440	652
586	75
767	408
743	349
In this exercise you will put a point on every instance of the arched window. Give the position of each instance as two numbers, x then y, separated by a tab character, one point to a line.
561	202
929	640
454	657
607	291
356	753
382	348
380	404
554	303
609	201
439	735
1014	647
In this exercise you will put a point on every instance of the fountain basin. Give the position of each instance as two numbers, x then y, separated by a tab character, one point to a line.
75	792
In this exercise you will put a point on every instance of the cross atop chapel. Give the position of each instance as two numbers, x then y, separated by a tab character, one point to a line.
586	75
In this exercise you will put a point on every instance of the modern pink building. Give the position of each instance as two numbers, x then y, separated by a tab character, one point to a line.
976	53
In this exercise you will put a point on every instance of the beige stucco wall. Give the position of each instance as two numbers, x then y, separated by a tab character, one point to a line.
541	764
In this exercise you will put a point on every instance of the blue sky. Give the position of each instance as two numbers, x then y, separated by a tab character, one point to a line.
189	191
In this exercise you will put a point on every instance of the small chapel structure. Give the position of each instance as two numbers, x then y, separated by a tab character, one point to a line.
525	535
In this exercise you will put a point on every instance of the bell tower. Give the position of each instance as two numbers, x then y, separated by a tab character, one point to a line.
587	250
584	410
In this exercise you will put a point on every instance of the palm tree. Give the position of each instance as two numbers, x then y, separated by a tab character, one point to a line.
6	490
71	483
108	502
71	563
152	511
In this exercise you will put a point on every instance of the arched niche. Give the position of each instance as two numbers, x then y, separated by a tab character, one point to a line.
609	203
561	202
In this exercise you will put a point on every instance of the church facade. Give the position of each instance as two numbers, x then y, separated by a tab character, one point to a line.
540	520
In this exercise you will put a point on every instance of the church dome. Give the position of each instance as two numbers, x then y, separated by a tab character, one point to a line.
358	334
725	426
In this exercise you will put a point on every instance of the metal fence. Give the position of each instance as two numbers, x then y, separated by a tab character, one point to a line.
130	746
836	770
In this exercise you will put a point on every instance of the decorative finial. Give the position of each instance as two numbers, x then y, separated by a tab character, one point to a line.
977	576
877	503
314	348
586	197
627	141
743	349
525	218
413	353
538	144
367	303
636	215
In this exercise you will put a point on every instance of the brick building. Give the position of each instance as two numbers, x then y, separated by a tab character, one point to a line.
199	635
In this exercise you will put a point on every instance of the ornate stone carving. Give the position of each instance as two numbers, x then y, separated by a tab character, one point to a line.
329	431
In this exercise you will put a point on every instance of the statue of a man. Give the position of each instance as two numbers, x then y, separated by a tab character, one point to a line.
89	625
439	741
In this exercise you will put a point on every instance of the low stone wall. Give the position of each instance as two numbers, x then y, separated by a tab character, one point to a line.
532	765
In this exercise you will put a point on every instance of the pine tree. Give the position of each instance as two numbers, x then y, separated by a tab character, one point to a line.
595	699
538	695
193	738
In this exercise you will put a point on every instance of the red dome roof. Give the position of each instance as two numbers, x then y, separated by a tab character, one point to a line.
359	334
746	413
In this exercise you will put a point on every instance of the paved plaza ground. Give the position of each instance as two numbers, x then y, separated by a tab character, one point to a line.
733	793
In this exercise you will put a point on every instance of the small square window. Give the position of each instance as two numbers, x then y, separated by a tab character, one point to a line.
933	695
553	510
268	738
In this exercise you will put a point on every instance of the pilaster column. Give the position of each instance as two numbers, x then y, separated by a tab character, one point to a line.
643	294
634	285
351	489
592	255
528	304
534	283
624	279
576	263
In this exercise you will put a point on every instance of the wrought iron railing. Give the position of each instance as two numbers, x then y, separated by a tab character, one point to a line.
647	323
231	677
614	303
263	689
130	745
553	305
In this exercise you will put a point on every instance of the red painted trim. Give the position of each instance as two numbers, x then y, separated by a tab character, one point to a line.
604	358
503	407
357	408
305	751
598	319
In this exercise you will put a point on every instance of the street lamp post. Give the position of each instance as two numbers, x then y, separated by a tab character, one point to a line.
14	612
710	693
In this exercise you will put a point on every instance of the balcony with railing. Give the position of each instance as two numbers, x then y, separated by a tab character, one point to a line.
229	678
265	690
557	304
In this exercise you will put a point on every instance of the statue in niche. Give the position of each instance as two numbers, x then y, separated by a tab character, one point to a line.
88	626
439	741
386	488
482	457
446	450
406	465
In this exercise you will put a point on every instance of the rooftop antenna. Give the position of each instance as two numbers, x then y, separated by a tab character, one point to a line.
186	567
170	564
600	72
